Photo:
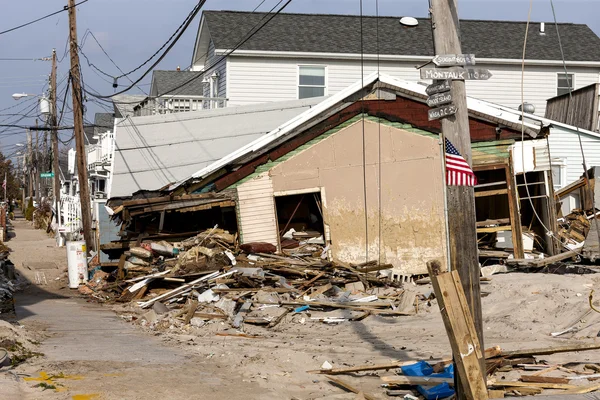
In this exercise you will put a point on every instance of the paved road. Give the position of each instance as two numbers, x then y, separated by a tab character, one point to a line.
106	357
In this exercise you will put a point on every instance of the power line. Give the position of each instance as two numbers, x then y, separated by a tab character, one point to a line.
181	30
251	33
26	59
65	8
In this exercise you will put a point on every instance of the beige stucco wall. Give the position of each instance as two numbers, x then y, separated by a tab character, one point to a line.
412	216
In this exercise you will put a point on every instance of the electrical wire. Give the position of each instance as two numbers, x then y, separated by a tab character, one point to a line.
111	60
549	232
224	56
585	169
174	37
364	139
65	8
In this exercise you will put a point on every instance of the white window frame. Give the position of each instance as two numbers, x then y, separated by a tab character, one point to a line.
326	76
561	163
558	74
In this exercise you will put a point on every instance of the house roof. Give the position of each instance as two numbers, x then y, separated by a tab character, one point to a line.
483	110
169	81
341	34
125	103
103	122
153	151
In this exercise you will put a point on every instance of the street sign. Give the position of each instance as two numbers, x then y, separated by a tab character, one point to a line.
451	60
441	112
439	99
456	73
47	175
438	87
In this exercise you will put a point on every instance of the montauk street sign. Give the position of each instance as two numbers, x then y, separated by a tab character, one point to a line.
451	60
441	112
456	73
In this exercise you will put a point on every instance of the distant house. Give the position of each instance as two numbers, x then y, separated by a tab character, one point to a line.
179	91
303	55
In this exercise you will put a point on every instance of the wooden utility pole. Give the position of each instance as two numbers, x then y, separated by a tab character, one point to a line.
460	199
84	191
54	139
36	165
29	164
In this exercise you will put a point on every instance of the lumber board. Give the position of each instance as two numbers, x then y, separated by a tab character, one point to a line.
491	229
516	384
550	350
488	193
190	312
521	262
584	389
416	380
349	387
543	379
461	330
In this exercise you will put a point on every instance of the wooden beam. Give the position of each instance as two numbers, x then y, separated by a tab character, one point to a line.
488	193
461	331
416	380
544	261
550	350
513	208
491	229
350	388
516	384
487	222
543	379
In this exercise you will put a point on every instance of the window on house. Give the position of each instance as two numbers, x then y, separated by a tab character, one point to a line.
564	84
311	81
559	172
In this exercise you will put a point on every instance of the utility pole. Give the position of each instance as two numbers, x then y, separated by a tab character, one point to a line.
29	166
36	164
460	199
54	139
84	192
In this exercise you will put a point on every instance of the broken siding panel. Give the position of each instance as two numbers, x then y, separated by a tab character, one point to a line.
256	210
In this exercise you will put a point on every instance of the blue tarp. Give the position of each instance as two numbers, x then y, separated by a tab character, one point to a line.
437	392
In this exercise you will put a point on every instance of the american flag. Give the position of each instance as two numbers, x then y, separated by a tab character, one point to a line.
458	171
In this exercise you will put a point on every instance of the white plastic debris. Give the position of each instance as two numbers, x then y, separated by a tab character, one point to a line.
289	234
326	365
208	296
231	257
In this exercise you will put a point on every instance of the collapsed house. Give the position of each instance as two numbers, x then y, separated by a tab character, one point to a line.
312	181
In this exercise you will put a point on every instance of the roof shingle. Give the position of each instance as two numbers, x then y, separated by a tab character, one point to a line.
165	81
341	34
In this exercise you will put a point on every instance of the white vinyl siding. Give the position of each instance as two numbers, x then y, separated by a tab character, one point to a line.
564	145
261	79
256	210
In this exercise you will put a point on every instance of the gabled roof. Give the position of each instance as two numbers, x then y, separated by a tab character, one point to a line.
125	103
341	34
103	122
168	82
482	110
153	151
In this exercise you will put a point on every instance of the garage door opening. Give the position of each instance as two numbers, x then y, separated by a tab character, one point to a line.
300	220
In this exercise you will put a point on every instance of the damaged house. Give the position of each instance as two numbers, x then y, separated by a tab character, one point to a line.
361	174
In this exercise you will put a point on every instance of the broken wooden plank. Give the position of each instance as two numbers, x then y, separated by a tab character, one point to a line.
417	380
280	318
496	394
543	379
523	262
242	335
375	367
349	387
488	193
320	290
461	330
517	384
584	389
121	268
550	350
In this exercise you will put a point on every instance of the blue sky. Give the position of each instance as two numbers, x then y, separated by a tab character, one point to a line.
131	30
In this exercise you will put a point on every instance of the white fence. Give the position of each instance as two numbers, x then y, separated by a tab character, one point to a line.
70	214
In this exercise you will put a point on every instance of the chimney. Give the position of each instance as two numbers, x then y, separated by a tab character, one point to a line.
178	68
542	28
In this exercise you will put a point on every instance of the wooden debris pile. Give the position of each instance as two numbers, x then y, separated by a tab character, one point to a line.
210	277
574	228
509	374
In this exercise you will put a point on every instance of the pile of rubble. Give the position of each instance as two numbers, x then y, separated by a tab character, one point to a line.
8	284
210	277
